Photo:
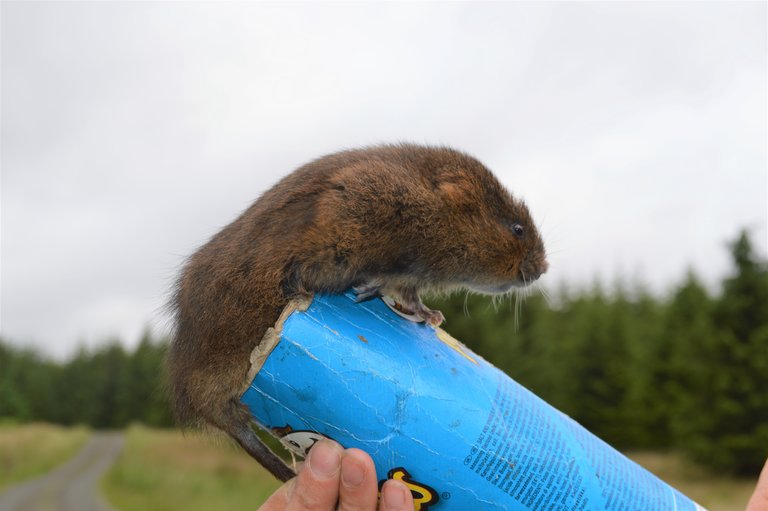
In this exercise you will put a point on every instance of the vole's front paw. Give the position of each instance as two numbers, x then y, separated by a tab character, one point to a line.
434	318
431	317
412	304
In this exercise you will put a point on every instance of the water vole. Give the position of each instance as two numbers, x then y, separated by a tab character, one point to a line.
395	219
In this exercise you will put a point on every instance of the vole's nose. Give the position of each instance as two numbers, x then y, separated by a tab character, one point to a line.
533	270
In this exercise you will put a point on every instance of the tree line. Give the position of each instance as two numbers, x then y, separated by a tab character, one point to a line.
107	387
687	371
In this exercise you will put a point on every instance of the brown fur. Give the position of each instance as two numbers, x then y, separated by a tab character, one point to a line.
401	219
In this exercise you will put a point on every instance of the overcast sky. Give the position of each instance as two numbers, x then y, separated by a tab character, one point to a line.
132	132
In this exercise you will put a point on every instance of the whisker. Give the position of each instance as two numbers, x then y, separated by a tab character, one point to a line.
546	296
526	294
488	305
466	309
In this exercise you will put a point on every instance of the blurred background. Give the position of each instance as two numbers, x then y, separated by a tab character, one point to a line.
635	131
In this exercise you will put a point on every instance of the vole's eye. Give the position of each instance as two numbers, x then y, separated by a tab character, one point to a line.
518	230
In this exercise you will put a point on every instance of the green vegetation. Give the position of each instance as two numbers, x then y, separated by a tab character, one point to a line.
30	450
105	388
163	470
686	372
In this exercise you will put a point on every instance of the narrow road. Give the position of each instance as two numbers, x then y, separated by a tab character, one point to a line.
71	487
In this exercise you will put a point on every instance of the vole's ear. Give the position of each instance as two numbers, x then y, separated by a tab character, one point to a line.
450	190
457	190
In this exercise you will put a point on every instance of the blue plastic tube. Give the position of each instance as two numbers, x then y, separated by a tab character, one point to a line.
462	434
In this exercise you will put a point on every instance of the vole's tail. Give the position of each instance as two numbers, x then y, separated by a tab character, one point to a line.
239	427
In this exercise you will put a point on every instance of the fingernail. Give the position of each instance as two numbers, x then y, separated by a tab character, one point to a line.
394	497
352	472
324	459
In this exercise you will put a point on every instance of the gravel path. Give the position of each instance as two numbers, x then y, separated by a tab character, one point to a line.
71	487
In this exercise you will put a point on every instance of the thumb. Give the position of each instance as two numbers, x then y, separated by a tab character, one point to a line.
759	500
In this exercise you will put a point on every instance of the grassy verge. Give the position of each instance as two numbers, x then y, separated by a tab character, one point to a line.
30	450
166	471
714	493
163	470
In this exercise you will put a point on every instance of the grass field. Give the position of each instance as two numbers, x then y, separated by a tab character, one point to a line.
34	449
162	470
714	493
165	471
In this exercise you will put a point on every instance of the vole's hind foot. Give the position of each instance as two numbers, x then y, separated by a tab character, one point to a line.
367	292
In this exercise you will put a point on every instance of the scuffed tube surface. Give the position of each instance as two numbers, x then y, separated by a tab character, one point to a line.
459	432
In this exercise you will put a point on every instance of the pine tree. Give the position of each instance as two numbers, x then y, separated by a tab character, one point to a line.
12	400
689	333
643	408
720	366
140	395
741	370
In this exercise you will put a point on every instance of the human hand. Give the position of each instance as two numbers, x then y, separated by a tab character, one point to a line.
759	500
332	477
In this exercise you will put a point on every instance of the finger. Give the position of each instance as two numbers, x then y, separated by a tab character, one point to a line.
395	496
317	486
759	500
358	482
279	500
